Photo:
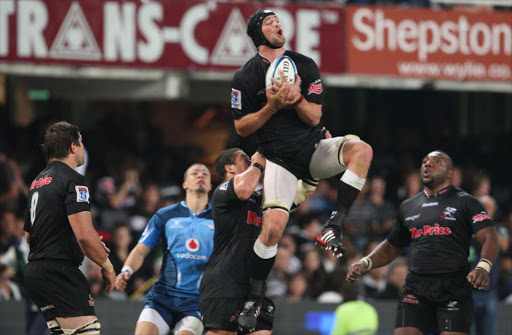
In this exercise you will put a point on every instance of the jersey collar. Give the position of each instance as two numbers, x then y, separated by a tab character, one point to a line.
208	208
447	190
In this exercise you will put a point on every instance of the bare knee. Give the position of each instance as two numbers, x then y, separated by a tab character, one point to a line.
363	152
357	153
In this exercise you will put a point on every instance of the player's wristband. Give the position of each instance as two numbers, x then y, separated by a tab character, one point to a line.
127	269
367	262
107	266
296	103
484	264
258	166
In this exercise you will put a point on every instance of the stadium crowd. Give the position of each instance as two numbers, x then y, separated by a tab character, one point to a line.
130	181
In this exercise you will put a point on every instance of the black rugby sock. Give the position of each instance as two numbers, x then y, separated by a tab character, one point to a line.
346	196
260	267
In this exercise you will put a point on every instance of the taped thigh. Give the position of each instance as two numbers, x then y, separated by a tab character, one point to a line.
151	315
91	328
189	323
327	160
54	327
279	187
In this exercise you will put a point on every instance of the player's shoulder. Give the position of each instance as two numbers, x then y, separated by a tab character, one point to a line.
64	173
222	191
171	210
418	198
298	57
460	193
249	67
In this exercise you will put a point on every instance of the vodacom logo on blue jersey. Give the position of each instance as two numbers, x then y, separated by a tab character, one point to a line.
192	244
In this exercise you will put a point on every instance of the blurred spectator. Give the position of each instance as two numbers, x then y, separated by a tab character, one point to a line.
314	272
485	302
7	230
93	274
116	196
8	289
456	177
170	195
11	184
398	271
145	208
385	208
278	276
361	220
412	185
297	288
355	316
333	291
288	242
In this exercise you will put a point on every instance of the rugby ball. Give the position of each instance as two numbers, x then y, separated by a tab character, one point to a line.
282	63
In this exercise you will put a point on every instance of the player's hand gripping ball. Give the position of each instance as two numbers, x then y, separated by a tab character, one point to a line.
284	64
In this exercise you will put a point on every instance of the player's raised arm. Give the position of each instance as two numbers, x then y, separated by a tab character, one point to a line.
245	183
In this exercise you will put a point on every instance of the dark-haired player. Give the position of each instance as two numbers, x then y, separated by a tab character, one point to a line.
285	119
438	223
236	209
59	229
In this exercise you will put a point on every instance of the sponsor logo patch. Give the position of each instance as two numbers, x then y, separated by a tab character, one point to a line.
448	214
430	204
236	99
315	87
189	256
411	299
224	186
430	230
481	217
82	194
47	307
192	244
412	218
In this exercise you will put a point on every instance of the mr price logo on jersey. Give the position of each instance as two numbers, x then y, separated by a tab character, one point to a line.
481	217
82	194
236	99
192	244
316	87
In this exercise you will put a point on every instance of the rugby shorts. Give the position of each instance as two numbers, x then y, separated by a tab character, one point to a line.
223	314
58	288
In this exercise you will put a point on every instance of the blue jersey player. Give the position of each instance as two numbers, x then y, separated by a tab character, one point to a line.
186	232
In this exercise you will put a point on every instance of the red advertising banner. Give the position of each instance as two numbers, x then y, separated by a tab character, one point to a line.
171	34
431	44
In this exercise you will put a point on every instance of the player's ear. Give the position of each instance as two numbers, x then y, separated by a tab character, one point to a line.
229	168
449	174
184	185
72	148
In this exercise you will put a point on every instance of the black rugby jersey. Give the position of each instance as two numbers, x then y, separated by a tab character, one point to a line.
58	191
439	229
285	133
237	226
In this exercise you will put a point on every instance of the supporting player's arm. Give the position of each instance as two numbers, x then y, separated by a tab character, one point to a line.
131	265
92	246
488	238
382	255
245	183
